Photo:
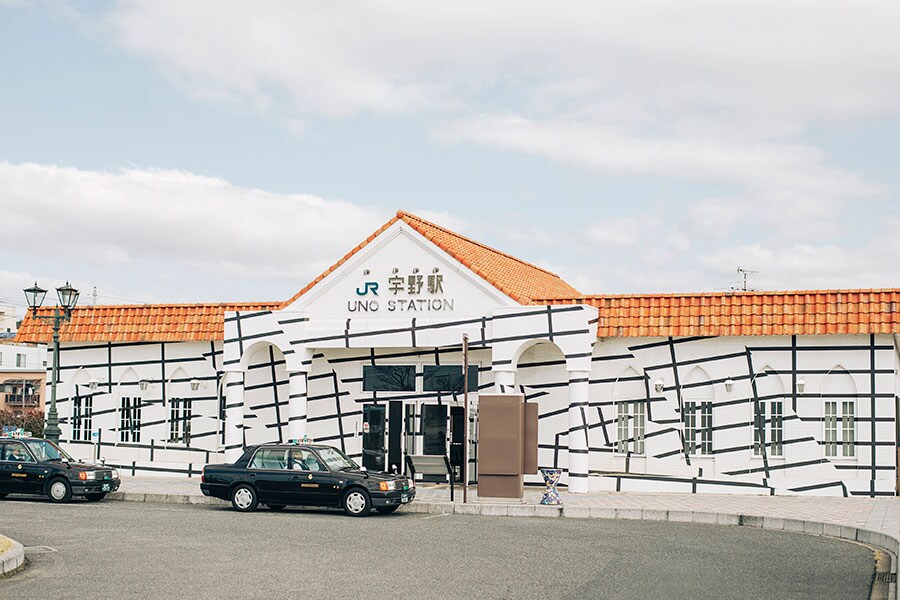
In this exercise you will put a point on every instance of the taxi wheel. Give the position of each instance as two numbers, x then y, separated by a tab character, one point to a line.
95	497
244	499
59	490
276	507
357	503
386	510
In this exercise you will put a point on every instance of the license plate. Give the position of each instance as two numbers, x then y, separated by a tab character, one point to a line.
404	498
105	487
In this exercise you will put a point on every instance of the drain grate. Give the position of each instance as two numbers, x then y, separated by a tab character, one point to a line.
886	577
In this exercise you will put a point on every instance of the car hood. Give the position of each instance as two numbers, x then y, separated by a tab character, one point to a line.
80	466
376	475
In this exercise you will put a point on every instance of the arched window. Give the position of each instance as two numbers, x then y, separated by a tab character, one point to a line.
839	396
630	397
768	417
697	416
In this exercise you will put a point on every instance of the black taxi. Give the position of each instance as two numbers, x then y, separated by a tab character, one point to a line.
280	475
38	466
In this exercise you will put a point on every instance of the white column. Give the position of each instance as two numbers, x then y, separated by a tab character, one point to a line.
505	381
578	435
297	392
234	415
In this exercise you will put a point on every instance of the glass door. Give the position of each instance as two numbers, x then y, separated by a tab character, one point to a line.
373	437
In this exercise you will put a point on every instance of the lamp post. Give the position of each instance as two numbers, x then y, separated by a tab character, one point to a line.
68	298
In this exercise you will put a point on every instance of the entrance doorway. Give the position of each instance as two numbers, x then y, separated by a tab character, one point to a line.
396	428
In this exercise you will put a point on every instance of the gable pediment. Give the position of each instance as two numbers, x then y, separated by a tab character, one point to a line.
400	273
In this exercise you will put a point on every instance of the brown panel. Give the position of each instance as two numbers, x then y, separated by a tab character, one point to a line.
530	439
500	486
500	432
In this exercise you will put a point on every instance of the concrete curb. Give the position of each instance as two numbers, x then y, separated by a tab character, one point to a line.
13	558
855	534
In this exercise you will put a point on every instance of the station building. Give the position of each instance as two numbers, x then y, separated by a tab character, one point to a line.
735	392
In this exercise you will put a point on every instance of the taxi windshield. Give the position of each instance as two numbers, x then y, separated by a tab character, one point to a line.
46	450
336	460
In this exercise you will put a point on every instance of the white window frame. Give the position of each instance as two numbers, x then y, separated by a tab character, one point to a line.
773	427
839	424
631	426
698	440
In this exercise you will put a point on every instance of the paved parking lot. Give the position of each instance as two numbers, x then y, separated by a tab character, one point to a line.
145	550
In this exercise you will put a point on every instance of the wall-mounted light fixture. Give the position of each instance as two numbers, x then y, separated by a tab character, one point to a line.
93	384
801	385
729	385
658	385
196	384
144	385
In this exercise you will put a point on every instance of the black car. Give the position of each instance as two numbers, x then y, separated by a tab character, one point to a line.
279	475
38	466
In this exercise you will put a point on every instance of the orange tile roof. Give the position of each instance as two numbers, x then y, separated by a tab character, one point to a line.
138	323
813	312
516	278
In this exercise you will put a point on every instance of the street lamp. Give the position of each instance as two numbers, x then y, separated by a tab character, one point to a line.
68	298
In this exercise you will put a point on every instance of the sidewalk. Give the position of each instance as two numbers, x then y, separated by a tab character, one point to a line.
803	513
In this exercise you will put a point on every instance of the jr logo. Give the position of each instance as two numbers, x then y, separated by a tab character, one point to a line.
370	286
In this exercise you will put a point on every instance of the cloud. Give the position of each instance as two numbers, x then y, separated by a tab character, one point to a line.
818	60
113	219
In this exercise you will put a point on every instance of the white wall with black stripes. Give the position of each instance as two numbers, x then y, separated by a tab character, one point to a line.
754	415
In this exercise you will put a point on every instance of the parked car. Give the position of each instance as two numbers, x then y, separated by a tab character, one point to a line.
279	475
38	466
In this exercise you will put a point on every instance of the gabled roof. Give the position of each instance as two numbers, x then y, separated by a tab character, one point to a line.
815	312
139	323
516	278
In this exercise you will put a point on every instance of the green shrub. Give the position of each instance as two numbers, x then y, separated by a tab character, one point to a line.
30	420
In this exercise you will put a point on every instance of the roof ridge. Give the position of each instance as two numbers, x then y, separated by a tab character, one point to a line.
172	305
402	213
727	293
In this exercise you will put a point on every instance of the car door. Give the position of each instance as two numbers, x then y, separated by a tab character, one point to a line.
268	471
21	473
313	483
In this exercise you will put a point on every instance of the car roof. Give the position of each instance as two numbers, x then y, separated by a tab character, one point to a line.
282	445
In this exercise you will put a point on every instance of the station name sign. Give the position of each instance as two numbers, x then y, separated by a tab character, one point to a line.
412	292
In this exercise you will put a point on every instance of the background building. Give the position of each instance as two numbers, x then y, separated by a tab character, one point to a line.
23	371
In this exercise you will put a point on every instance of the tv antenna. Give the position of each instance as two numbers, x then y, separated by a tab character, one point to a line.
744	273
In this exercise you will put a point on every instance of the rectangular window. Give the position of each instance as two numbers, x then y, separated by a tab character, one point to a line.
180	420
768	432
130	420
831	429
82	418
630	424
448	378
389	378
706	431
690	427
698	440
843	436
20	360
848	429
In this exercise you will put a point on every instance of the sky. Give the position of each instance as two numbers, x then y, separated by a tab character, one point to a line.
204	151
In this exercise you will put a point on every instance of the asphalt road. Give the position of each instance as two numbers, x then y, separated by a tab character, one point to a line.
135	550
